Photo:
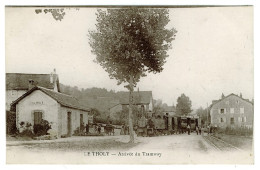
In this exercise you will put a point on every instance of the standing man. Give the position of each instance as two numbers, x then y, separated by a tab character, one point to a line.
197	130
99	129
188	128
209	129
87	128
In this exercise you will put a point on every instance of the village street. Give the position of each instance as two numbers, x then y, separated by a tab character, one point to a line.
171	149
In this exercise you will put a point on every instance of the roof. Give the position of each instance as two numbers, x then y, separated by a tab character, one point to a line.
63	99
140	97
169	109
232	94
20	81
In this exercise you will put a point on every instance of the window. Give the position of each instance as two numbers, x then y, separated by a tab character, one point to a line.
232	110
222	111
239	119
237	102
242	110
222	120
243	119
232	120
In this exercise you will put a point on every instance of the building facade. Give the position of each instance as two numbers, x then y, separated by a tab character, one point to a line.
63	112
232	111
142	100
169	110
18	84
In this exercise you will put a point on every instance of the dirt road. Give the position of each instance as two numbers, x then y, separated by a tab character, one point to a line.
173	149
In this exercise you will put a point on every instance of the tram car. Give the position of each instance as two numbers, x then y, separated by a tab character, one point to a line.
180	123
154	125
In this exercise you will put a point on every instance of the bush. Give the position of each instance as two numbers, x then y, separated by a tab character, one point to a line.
26	130
11	123
42	128
239	131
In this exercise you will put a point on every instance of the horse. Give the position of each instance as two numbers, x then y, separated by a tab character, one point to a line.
109	130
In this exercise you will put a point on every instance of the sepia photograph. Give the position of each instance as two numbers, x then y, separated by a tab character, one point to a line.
129	84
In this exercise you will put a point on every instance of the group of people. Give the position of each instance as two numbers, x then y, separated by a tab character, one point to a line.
198	129
96	127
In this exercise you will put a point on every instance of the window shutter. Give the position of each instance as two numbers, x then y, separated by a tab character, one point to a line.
218	111
225	111
245	119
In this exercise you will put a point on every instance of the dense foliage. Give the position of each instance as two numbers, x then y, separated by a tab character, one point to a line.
130	41
183	106
42	128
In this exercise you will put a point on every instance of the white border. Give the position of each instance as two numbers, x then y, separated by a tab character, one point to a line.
255	3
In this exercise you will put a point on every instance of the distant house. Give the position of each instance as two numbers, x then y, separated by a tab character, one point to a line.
141	99
63	112
232	111
170	110
18	84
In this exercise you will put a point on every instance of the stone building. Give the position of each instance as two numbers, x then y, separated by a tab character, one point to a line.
63	112
142	100
232	111
18	84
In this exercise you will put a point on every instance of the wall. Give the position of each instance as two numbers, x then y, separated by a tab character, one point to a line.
12	95
75	119
236	103
115	109
37	101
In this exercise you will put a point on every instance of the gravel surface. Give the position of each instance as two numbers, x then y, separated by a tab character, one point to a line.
173	149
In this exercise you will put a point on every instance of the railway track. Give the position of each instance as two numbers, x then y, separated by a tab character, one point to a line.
219	144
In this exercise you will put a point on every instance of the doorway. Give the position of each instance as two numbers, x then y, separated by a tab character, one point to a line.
69	123
37	117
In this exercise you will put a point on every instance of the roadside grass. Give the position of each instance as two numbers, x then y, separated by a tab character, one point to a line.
16	138
83	145
241	142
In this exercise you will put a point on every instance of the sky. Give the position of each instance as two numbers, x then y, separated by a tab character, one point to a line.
212	53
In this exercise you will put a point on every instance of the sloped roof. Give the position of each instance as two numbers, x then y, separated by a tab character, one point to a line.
169	109
232	94
20	81
140	97
63	99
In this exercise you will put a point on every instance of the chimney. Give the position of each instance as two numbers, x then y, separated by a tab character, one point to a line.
31	84
240	95
51	77
54	80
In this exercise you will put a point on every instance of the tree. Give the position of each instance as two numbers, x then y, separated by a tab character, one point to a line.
129	42
183	106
